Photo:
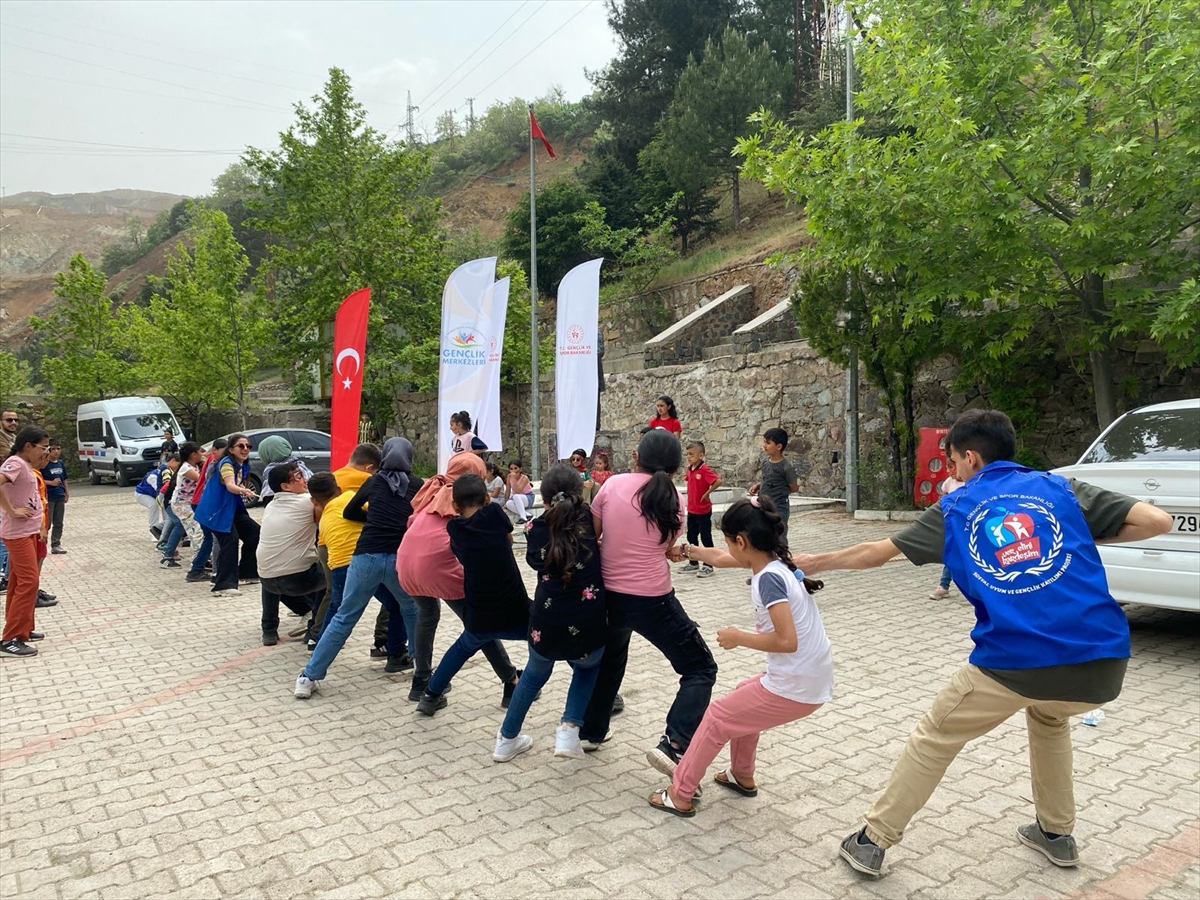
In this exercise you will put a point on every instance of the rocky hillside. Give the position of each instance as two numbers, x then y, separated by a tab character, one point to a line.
40	232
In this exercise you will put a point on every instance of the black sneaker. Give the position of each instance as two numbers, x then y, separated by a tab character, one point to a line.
35	636
17	647
509	688
45	600
169	564
1059	849
46	595
194	577
417	690
401	663
664	757
379	651
3	585
270	638
311	644
618	705
431	703
57	550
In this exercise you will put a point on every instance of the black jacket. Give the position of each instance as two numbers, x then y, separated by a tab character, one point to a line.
495	599
566	621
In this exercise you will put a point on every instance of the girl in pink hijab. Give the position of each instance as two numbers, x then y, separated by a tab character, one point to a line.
428	571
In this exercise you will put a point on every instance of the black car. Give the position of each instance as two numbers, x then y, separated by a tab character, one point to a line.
310	446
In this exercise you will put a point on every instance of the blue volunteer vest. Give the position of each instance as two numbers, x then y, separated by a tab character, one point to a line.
1020	550
217	505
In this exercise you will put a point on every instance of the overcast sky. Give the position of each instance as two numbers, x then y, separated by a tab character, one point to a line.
210	78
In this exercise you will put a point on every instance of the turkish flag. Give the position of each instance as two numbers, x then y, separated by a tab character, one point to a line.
535	131
349	349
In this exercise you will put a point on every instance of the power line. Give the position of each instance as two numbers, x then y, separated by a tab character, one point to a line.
186	87
104	87
472	53
125	36
535	46
41	137
157	59
491	52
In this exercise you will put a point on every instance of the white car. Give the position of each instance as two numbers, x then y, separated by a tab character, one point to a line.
1153	454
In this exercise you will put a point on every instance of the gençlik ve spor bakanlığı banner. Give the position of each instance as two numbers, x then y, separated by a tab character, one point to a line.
576	376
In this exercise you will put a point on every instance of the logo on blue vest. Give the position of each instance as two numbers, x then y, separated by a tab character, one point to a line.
1024	541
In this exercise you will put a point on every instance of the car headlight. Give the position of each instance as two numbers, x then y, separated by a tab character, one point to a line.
128	451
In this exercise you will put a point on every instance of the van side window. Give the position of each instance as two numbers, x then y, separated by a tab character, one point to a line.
91	430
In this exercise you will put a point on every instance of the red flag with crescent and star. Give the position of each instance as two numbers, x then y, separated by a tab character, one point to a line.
349	349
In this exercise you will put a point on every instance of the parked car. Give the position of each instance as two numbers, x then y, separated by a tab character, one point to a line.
1153	454
311	446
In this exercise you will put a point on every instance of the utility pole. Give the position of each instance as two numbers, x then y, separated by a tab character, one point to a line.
470	114
409	109
852	369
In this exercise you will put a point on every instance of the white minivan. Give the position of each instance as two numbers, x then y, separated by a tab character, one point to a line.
122	438
1153	454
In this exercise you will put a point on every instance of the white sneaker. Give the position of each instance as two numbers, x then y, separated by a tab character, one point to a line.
690	568
510	748
566	742
306	687
227	592
705	572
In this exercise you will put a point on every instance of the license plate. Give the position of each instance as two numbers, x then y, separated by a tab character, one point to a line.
1185	524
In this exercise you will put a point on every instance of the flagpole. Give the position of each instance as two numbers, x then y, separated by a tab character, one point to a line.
536	437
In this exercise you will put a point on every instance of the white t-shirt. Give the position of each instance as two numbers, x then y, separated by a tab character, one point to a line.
461	443
806	675
493	485
287	542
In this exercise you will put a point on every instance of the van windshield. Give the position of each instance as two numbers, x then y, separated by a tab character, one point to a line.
145	426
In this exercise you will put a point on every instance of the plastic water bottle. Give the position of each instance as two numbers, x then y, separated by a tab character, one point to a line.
1094	718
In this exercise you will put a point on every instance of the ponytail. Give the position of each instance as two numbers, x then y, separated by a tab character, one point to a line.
568	521
757	521
659	455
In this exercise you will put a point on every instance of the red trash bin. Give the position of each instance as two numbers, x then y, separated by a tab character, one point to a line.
931	465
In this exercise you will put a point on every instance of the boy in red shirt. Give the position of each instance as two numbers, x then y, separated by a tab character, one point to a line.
701	482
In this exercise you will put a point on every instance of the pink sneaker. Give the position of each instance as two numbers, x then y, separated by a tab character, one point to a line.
939	593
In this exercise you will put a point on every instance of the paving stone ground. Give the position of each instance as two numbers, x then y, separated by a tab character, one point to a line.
154	749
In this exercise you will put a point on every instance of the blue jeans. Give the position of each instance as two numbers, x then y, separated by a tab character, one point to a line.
946	578
467	645
398	640
366	573
204	552
3	558
174	532
584	673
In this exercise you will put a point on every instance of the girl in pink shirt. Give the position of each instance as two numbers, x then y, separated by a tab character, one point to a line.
21	526
637	518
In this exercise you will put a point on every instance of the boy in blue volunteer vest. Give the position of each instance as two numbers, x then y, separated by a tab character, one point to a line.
1049	638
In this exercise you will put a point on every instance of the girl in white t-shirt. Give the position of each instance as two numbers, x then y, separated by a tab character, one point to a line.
787	627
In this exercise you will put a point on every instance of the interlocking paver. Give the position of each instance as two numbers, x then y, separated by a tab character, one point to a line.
155	749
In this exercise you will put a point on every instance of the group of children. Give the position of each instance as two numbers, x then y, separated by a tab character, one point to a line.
602	572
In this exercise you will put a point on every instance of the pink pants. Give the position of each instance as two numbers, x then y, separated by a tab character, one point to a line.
736	719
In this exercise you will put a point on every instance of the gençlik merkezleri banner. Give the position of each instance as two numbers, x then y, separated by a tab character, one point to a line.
576	377
488	425
465	345
349	353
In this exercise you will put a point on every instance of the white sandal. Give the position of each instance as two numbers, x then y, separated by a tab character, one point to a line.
668	805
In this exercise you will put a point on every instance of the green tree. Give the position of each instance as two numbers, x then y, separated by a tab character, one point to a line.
678	186
445	128
654	40
343	208
14	378
1045	166
560	244
199	335
86	340
715	97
